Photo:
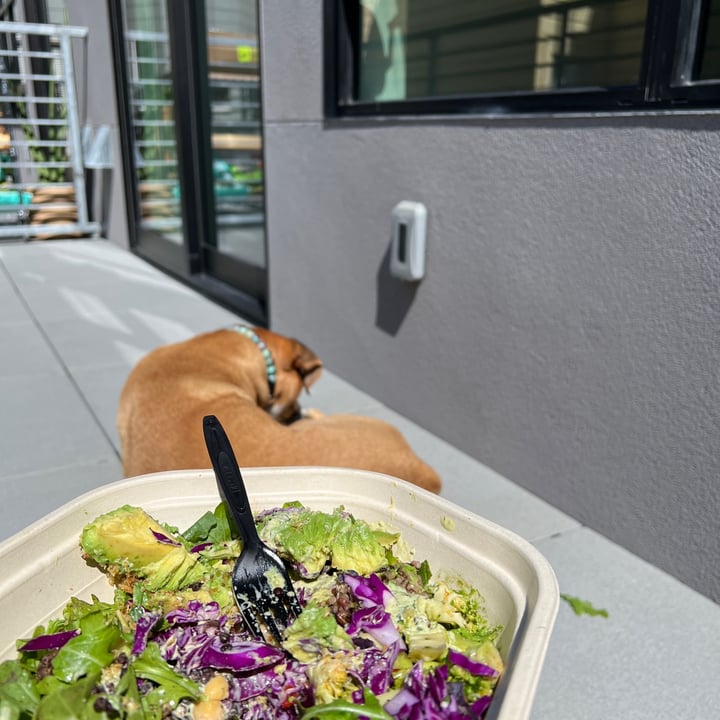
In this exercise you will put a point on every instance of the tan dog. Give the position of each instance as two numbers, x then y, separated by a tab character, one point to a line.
228	373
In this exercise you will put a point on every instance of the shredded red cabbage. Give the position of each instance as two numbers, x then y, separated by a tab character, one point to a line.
201	546
280	686
240	655
160	537
369	590
472	666
432	697
195	612
288	509
377	669
377	624
145	623
199	637
49	642
481	704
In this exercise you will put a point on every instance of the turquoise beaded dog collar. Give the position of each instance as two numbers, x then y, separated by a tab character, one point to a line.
267	355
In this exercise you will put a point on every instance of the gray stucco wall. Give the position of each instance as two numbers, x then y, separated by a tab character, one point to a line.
566	333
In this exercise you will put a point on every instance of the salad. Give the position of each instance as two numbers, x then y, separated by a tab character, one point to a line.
379	636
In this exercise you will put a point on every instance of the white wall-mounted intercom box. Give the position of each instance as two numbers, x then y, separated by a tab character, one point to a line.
407	248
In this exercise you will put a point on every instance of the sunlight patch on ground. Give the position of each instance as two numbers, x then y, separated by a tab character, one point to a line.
118	263
167	330
89	307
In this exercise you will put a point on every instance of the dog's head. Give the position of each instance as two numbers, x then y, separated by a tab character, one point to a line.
298	367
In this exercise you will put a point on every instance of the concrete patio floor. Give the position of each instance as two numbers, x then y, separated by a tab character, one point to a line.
76	315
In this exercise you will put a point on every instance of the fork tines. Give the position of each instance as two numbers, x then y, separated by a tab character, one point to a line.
269	610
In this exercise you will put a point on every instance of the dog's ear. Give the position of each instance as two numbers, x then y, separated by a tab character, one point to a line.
294	360
307	364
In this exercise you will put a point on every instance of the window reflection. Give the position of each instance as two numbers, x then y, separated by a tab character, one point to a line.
152	116
236	130
432	48
710	59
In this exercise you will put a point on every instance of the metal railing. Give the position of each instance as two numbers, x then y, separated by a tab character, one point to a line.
42	168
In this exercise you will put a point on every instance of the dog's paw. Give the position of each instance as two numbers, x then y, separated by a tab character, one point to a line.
312	414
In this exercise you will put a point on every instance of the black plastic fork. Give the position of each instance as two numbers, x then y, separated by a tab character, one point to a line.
260	581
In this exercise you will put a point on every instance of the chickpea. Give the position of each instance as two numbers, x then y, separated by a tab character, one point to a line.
208	710
216	690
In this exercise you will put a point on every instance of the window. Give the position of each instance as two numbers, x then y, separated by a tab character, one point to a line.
505	56
709	57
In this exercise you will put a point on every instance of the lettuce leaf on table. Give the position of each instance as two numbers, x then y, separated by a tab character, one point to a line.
583	607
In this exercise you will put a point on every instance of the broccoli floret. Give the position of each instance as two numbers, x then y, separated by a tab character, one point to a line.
129	545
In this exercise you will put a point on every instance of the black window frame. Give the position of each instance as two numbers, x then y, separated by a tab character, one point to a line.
671	50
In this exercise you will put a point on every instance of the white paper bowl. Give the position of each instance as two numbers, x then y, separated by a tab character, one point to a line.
41	567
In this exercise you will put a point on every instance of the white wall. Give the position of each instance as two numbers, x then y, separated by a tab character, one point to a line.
566	333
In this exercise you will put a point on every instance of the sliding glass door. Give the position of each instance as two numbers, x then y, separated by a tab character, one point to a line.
190	86
235	117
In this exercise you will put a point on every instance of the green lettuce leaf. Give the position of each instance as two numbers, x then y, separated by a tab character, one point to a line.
97	613
86	653
583	607
17	690
213	527
343	709
70	702
172	687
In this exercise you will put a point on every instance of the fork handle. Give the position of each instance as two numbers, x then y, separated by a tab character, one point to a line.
230	481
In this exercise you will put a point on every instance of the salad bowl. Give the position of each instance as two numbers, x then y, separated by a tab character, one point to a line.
41	567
